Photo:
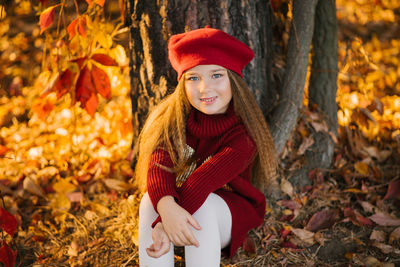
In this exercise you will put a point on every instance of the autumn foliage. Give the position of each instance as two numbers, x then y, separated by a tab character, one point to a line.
83	76
66	134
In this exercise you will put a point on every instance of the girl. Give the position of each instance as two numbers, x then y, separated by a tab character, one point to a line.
199	149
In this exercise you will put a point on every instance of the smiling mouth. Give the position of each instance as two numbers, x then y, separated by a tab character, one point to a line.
208	99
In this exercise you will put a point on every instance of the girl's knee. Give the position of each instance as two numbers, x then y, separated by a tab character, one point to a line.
145	202
207	210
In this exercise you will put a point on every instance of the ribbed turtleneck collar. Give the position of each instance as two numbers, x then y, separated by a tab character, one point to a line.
207	126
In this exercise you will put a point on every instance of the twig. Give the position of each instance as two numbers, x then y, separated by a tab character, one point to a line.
129	260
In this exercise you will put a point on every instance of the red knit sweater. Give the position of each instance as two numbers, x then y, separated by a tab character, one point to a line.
232	151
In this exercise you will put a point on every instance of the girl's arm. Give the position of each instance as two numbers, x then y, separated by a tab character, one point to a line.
161	186
160	181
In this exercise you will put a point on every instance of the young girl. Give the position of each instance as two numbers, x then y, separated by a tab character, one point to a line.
199	151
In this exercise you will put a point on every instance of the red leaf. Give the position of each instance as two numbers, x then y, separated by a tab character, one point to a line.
79	22
393	191
287	218
7	255
85	92
104	60
364	221
285	232
82	26
101	82
8	222
46	18
80	61
71	29
83	178
64	83
288	245
356	218
84	86
91	104
249	245
321	220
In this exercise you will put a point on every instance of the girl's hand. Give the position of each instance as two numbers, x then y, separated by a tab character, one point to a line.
176	222
161	242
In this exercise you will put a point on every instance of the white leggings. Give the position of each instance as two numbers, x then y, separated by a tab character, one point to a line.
215	220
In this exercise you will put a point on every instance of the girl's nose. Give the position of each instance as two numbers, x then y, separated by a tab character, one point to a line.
203	86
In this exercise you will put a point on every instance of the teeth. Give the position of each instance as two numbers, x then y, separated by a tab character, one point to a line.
208	99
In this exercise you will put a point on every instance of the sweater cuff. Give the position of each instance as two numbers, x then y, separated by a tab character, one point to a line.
156	221
156	194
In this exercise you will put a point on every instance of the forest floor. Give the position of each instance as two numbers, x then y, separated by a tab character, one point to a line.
67	179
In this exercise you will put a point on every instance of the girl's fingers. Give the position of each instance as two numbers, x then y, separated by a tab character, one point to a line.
179	240
190	237
193	222
156	253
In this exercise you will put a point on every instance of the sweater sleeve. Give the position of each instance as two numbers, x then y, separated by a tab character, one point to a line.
236	154
160	180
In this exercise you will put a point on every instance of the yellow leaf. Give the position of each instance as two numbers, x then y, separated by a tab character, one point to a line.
287	212
361	168
286	187
64	186
355	190
60	201
117	184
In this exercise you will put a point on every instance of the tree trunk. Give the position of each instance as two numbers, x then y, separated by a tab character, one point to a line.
324	69
322	89
286	112
151	23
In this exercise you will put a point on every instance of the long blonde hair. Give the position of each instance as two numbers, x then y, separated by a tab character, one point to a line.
166	127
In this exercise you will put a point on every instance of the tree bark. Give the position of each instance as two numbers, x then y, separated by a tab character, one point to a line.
286	112
322	89
151	23
324	70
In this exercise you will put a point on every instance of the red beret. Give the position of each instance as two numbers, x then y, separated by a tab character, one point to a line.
208	46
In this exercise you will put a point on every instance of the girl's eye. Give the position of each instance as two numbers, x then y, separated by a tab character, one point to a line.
193	78
217	75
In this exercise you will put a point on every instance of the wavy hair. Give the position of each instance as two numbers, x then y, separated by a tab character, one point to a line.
166	127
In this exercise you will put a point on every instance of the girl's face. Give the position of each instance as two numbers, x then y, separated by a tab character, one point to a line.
208	88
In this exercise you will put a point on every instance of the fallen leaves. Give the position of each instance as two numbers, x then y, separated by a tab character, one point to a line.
322	220
7	255
393	191
384	219
286	187
8	222
306	236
